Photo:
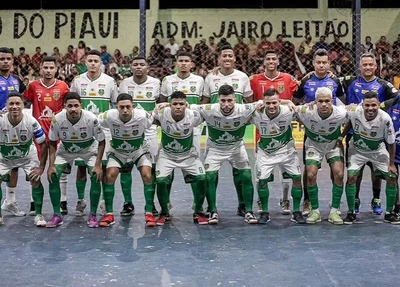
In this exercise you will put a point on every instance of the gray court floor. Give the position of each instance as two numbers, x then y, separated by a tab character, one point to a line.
181	253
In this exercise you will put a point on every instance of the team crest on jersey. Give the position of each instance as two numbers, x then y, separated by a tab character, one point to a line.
23	137
236	124
235	86
149	94
310	154
330	88
193	89
206	166
135	132
331	129
56	96
101	92
186	131
373	134
281	88
83	135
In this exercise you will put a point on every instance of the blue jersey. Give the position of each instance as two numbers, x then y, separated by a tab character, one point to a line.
309	86
394	112
8	85
356	87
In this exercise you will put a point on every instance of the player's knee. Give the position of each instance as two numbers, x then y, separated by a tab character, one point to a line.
311	177
147	177
110	178
297	183
351	179
338	176
81	173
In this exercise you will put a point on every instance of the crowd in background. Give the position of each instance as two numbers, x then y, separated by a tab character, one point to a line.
295	60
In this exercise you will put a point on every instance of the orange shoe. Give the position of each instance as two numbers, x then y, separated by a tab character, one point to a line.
150	220
163	219
107	220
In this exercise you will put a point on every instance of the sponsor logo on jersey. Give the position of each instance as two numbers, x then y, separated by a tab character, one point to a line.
10	88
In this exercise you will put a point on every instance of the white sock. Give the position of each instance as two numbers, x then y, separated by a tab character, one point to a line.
285	191
10	194
63	186
31	194
333	210
316	210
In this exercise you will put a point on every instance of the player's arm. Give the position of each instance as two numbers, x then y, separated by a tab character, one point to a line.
103	120
298	96
54	136
40	138
340	94
248	96
149	120
390	91
206	94
163	91
114	95
386	105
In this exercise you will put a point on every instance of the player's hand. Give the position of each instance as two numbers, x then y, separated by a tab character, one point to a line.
99	172
339	144
160	106
330	74
35	173
50	171
292	106
311	105
392	171
260	106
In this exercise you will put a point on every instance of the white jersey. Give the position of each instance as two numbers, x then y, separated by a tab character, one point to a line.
144	96
276	133
225	131
126	137
237	79
370	136
17	141
177	137
97	95
191	86
79	137
322	134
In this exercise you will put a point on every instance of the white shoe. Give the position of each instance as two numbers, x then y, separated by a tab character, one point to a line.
80	207
103	207
1	220
13	208
39	221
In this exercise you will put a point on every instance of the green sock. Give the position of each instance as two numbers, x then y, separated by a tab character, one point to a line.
390	191
95	193
199	195
211	190
126	186
149	191
80	188
247	188
313	195
337	192
237	181
109	192
55	193
37	194
351	196
263	194
162	194
296	195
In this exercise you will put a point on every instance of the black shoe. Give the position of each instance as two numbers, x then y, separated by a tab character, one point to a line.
392	218
64	209
350	218
298	218
241	211
128	209
264	218
32	209
155	211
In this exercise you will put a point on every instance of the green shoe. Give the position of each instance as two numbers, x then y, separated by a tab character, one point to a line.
335	218
313	217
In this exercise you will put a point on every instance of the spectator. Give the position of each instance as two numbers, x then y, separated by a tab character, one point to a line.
81	53
253	46
211	44
106	57
58	56
172	46
336	45
134	54
185	47
23	55
158	49
117	57
278	45
369	46
36	60
307	44
265	44
321	44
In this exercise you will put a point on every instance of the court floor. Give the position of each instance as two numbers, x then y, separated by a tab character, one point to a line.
181	253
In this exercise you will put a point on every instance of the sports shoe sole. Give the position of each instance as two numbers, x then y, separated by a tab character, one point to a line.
335	223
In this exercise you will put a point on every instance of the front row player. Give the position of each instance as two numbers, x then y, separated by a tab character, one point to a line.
128	148
80	137
17	130
373	128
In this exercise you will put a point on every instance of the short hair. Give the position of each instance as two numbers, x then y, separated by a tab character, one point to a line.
225	47
271	92
368	55
49	59
270	52
72	96
94	52
124	97
323	91
184	54
6	50
371	95
226	90
15	94
321	52
139	58
178	95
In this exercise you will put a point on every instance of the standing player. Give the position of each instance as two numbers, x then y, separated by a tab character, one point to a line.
276	147
323	125
98	93
306	94
10	83
145	91
228	75
226	122
286	85
191	85
355	88
46	96
81	137
128	148
372	129
177	151
17	131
